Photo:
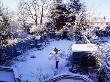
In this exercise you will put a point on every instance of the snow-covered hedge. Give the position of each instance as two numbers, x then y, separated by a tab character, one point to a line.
102	33
10	51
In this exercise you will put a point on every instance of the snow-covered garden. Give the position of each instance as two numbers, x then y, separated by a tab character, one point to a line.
53	41
35	65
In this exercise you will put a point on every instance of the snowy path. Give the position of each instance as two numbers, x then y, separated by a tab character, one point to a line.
31	68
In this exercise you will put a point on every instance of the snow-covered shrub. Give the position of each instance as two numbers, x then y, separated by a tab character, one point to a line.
37	29
82	61
4	58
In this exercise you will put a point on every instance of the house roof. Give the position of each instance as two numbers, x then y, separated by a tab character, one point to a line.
84	47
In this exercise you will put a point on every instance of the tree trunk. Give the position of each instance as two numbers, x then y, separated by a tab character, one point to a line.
36	21
41	19
24	23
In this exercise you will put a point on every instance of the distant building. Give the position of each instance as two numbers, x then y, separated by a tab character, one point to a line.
100	22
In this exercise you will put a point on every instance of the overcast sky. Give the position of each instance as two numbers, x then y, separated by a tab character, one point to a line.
97	7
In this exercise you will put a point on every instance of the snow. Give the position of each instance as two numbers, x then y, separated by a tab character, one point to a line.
68	80
35	65
6	76
74	76
10	41
84	47
38	37
30	69
103	44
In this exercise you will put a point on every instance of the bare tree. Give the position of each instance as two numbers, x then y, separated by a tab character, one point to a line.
34	9
22	14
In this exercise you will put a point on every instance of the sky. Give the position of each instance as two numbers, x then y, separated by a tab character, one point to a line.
97	8
11	4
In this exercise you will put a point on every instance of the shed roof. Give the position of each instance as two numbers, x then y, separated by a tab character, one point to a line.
84	47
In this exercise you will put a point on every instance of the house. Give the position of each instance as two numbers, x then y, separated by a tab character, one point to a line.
99	22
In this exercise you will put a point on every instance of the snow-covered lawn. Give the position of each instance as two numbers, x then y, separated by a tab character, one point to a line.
34	63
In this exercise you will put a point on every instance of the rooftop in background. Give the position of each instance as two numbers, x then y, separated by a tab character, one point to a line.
100	22
100	19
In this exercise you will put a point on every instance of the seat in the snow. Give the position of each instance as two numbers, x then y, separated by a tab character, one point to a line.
7	75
